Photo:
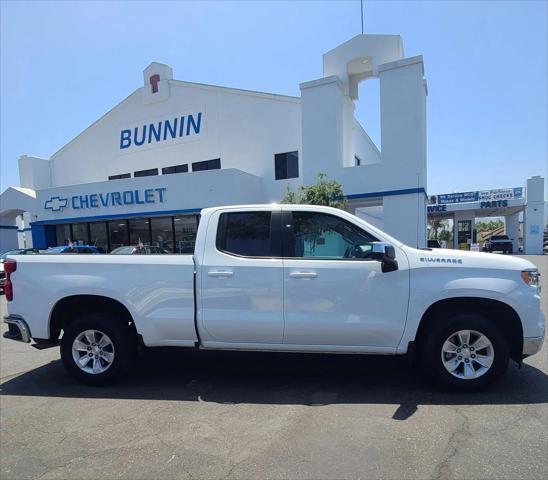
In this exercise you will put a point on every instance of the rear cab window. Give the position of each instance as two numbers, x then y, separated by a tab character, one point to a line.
249	234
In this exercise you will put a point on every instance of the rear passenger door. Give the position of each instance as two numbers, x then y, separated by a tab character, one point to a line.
242	279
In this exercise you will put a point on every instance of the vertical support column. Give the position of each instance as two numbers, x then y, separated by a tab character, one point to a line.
403	121
21	243
403	145
512	230
322	111
405	218
533	219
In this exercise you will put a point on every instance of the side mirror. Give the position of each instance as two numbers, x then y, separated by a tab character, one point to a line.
386	254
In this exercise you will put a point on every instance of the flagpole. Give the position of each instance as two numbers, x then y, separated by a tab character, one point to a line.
361	7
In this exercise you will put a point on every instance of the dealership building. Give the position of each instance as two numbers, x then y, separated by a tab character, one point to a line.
522	209
143	171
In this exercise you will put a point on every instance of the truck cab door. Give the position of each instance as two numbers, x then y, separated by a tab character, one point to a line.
336	292
241	279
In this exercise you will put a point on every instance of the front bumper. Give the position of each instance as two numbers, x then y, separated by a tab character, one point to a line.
532	345
18	329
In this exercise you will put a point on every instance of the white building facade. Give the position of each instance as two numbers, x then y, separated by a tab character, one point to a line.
143	171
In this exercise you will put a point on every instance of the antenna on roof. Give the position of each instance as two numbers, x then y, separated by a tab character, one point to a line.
361	7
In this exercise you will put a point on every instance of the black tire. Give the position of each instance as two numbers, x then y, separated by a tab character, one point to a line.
431	352
123	341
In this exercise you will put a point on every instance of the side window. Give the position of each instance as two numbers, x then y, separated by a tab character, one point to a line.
286	165
320	235
245	233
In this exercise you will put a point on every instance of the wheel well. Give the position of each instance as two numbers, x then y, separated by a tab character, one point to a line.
69	308
499	312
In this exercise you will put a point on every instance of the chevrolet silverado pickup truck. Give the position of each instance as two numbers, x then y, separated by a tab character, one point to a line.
284	278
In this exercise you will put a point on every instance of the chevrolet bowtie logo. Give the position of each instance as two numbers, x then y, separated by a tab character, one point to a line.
55	204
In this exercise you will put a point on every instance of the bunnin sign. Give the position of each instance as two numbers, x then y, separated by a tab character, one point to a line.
113	199
478	196
178	127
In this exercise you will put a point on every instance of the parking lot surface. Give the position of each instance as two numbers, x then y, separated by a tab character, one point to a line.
187	414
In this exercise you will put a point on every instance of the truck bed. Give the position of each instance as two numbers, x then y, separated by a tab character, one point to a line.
157	290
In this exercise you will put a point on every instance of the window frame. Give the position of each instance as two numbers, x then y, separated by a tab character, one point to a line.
288	237
206	162
275	248
183	166
119	176
147	172
285	155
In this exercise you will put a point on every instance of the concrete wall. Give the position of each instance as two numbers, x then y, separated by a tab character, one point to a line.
34	172
8	238
181	192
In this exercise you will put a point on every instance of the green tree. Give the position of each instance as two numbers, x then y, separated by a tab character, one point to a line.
488	226
437	228
446	235
434	225
323	192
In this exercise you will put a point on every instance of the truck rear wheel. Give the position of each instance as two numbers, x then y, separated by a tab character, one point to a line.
97	348
465	352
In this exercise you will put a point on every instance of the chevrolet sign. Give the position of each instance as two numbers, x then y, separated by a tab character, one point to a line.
108	199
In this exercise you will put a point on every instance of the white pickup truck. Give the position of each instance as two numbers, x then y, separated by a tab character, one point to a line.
286	278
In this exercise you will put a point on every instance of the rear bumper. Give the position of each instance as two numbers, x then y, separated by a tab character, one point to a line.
18	329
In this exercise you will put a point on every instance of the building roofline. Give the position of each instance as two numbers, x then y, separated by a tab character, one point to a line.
94	123
240	91
237	91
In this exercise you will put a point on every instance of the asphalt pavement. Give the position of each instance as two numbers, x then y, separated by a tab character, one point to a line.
186	414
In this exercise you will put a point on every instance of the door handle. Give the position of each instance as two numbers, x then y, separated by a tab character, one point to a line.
303	274
220	273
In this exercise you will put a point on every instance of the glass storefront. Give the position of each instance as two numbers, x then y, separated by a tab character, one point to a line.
98	235
139	231
118	234
185	228
80	234
162	232
62	232
175	234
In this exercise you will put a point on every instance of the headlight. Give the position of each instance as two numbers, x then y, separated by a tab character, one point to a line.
532	278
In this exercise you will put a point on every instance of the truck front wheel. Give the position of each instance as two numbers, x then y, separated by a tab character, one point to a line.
465	352
97	348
